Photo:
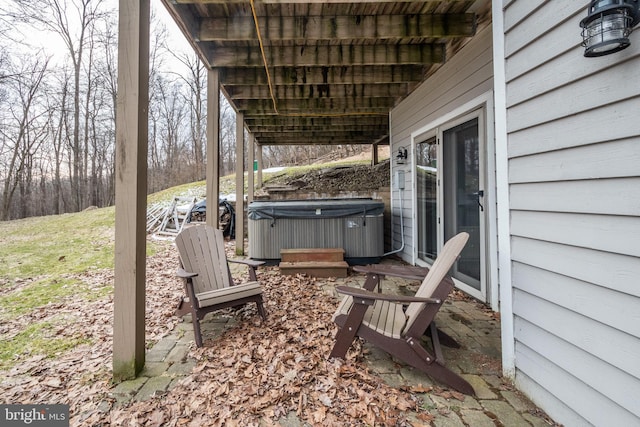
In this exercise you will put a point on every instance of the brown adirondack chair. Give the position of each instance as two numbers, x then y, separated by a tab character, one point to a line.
208	282
396	323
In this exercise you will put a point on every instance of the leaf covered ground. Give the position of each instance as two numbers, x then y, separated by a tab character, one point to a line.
336	178
254	374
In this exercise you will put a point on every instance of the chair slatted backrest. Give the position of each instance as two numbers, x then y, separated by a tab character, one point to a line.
437	272
201	249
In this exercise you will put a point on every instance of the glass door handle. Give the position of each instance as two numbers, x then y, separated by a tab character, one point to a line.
479	194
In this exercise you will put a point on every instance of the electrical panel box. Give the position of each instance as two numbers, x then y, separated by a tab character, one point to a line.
399	180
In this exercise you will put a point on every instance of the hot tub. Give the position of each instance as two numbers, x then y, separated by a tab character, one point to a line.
356	225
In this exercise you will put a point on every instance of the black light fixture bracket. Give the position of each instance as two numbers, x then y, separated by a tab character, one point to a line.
608	24
402	155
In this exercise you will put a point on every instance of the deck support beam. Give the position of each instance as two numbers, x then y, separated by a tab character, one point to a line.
131	190
251	175
213	147
239	184
260	165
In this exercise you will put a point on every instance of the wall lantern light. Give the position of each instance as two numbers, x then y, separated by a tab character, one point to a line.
402	156
608	24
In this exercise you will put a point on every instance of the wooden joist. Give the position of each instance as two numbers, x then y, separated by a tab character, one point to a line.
278	59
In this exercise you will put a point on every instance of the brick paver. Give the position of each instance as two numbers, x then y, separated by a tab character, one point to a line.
478	361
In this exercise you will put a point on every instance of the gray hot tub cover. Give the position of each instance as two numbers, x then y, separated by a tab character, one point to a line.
334	208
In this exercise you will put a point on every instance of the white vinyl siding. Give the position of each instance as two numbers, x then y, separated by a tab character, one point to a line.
468	75
574	186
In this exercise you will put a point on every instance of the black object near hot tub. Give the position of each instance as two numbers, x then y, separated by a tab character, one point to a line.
356	225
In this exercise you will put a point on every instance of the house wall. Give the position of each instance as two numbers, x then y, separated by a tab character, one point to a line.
467	76
573	133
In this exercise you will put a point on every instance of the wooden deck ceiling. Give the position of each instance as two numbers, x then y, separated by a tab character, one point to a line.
323	72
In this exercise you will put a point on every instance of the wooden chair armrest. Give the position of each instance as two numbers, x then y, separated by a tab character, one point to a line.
249	262
251	265
183	274
368	296
188	286
404	272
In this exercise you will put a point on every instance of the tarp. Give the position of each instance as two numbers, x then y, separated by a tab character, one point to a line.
227	216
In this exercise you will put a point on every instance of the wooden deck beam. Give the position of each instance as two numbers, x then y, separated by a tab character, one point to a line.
328	105
213	147
131	190
297	1
345	28
325	74
306	91
240	205
325	56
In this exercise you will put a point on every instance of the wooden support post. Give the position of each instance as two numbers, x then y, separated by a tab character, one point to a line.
239	184
374	154
213	147
131	189
251	172
259	158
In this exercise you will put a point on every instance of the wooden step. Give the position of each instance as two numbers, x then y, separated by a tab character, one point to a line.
312	254
315	268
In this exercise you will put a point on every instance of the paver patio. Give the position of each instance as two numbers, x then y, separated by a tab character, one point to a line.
475	327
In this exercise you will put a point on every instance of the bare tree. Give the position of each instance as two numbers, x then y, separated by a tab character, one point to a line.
156	179
22	133
71	20
59	140
195	79
227	137
57	145
172	113
107	69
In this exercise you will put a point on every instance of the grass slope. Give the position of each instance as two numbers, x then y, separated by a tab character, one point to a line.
41	257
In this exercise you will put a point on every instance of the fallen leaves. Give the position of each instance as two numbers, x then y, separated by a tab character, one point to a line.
256	373
81	376
260	372
448	394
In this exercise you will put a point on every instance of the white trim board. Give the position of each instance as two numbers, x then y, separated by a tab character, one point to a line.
486	101
502	192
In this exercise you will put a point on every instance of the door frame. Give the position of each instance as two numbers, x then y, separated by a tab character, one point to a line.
482	106
448	213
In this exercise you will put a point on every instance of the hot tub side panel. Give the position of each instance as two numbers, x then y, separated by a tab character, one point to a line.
362	238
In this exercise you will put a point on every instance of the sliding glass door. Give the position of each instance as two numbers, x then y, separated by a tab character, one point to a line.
427	191
463	197
450	197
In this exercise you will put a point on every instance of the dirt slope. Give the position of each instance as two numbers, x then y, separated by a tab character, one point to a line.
357	177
